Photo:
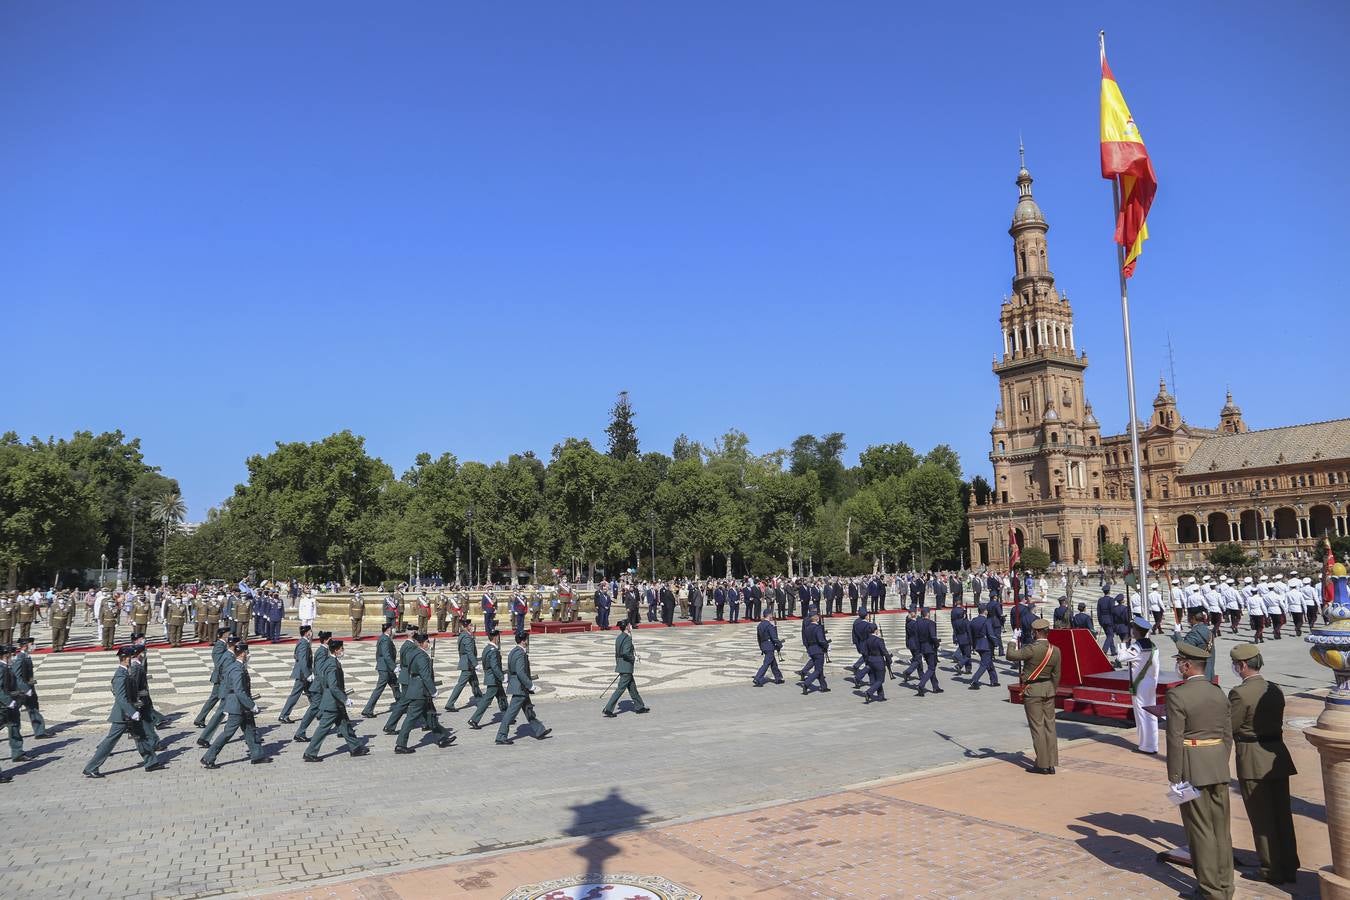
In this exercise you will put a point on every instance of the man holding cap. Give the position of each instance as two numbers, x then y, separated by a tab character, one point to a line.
1199	735
1040	676
125	720
1256	709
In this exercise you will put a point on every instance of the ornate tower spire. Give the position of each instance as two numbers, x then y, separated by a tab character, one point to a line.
1230	417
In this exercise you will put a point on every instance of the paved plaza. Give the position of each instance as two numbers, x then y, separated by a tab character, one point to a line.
714	746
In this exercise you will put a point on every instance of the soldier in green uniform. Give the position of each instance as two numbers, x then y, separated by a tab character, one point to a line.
442	612
139	673
223	658
11	687
420	695
468	665
62	611
125	720
356	611
176	617
241	708
1256	709
315	689
220	650
493	679
213	608
403	671
199	619
333	705
140	614
1199	738
624	658
22	664
243	617
23	614
520	686
107	620
6	620
423	613
386	671
1040	676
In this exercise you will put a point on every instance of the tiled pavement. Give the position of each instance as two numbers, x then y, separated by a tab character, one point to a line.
713	744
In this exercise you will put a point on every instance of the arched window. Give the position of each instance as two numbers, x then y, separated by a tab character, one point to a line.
1054	437
1000	446
1092	442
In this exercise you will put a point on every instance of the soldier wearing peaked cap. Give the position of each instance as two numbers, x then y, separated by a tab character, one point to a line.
1199	735
1040	677
125	720
1256	709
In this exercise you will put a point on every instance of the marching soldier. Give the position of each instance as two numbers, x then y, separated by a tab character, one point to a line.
493	679
125	720
220	650
984	638
224	659
520	686
24	609
139	673
241	707
386	670
878	661
404	673
17	692
817	646
107	621
468	666
420	694
175	617
766	635
302	672
315	688
624	658
1199	735
62	611
333	706
356	611
926	632
1040	677
1256	709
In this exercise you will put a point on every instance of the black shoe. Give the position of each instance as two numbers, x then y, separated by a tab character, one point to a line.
543	734
805	691
757	683
300	739
505	741
474	725
367	715
921	692
155	767
402	750
210	765
389	730
824	690
5	779
93	774
286	721
608	715
197	724
449	708
308	758
41	737
445	741
938	690
973	687
261	761
203	742
360	751
1050	771
645	709
22	758
867	699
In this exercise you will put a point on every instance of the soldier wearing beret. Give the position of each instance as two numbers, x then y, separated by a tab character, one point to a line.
1256	708
1199	735
1040	676
125	720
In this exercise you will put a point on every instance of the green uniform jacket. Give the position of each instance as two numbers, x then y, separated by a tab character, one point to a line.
1196	711
492	666
384	654
124	704
321	655
239	688
404	662
329	671
1031	655
623	653
518	673
422	677
468	651
220	658
1256	710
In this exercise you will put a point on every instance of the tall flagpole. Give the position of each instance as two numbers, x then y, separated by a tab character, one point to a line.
1129	365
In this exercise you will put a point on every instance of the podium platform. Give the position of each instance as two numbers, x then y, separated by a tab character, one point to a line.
1088	684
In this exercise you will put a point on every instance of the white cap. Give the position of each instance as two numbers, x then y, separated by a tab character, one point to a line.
1223	579
1264	578
1208	579
1247	580
1176	581
1293	573
1191	580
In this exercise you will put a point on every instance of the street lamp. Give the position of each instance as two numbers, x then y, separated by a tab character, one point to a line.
468	517
651	517
102	569
131	561
456	565
360	571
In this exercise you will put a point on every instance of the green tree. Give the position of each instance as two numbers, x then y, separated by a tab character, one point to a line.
512	521
1112	555
168	510
49	519
623	441
946	457
823	456
882	461
684	449
1035	560
697	511
1229	556
980	490
932	496
576	479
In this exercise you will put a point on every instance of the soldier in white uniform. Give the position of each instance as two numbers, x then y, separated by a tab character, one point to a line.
1213	604
1232	603
1256	610
1277	605
1310	601
1141	659
1155	606
1178	604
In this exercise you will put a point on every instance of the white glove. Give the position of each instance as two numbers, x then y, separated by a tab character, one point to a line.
349	702
30	692
309	677
135	717
255	710
13	704
436	692
534	690
398	670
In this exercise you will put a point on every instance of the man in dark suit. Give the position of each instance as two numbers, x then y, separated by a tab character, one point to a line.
734	595
861	629
241	710
420	696
719	600
631	601
766	635
652	600
624	659
817	645
912	645
695	603
302	672
873	593
386	669
667	605
983	639
939	585
926	631
961	637
1106	609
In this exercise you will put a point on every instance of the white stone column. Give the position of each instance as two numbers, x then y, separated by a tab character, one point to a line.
1071	346
1006	348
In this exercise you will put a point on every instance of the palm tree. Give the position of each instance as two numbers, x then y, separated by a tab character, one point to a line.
169	511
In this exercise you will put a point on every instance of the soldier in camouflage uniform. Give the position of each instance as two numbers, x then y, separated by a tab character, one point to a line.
356	611
62	611
107	621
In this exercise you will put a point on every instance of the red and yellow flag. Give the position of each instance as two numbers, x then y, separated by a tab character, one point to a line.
1158	554
1124	157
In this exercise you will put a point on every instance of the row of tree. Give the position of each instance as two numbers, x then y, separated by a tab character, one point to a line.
328	509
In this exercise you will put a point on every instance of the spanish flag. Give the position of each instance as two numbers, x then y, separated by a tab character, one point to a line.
1124	157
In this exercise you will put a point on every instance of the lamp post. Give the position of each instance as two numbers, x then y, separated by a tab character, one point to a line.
360	571
456	565
131	561
102	569
651	518
468	517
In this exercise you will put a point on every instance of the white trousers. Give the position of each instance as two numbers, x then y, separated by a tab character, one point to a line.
1145	725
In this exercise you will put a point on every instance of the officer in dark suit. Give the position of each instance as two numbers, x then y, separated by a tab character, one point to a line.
719	601
878	660
853	597
817	596
939	586
494	681
651	604
630	603
241	710
817	645
302	672
755	608
1106	609
1081	619
667	605
916	592
780	598
125	720
386	669
926	630
961	637
983	639
734	601
881	594
766	635
861	629
873	593
420	695
139	674
912	645
625	658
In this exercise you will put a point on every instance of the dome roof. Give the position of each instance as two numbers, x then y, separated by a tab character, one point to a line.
1088	417
998	417
1050	414
1163	398
1229	407
1027	211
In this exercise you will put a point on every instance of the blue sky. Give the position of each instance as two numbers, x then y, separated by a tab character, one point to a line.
466	227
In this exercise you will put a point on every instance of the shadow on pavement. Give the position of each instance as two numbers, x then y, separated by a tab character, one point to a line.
611	814
1120	852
